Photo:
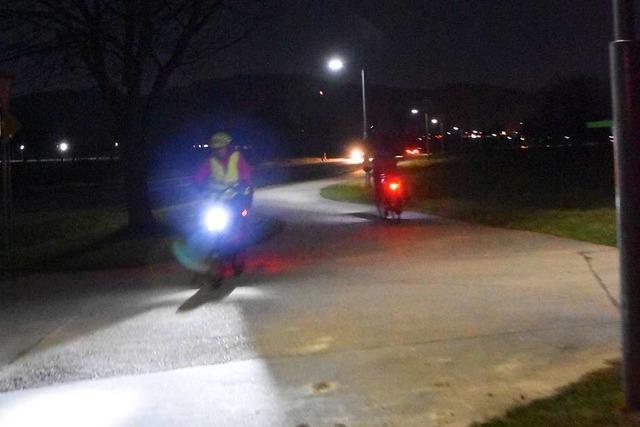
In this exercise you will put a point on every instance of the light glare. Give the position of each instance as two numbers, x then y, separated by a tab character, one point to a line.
216	218
335	64
357	155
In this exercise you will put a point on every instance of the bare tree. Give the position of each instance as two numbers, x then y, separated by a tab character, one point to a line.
130	49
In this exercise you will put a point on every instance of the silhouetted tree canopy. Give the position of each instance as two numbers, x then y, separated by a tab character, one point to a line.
130	49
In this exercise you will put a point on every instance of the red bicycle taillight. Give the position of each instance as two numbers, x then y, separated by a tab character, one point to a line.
394	186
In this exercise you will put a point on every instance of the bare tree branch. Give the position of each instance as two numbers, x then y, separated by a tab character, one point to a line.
130	49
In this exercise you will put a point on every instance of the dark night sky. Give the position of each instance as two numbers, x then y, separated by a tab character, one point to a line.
412	43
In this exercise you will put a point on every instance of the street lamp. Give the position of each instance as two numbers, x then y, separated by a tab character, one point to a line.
435	121
63	147
415	111
335	65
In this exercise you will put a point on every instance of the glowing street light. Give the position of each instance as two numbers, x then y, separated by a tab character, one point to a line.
22	148
336	64
414	111
434	121
63	147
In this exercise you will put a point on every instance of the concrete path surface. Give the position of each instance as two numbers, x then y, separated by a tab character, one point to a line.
340	320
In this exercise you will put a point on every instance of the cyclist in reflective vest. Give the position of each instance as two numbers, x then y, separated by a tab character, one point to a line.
225	167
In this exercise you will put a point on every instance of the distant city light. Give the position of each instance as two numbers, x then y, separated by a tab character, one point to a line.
206	145
434	121
63	146
456	128
448	133
116	144
521	138
567	137
335	64
503	133
414	111
494	134
22	148
321	93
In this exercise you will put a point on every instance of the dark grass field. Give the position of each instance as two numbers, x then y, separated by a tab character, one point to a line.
566	191
72	215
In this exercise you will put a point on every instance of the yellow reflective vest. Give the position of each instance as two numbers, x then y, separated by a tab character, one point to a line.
228	175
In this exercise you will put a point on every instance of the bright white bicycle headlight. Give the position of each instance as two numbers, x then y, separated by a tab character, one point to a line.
216	218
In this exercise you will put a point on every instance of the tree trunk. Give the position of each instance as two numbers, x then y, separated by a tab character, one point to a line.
135	153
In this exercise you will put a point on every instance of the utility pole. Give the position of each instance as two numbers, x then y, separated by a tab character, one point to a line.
6	197
426	106
6	81
365	130
625	79
426	131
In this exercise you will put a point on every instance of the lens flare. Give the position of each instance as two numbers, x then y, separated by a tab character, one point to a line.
216	218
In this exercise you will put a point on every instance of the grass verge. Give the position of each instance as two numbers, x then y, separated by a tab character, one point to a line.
97	239
529	195
594	401
596	225
84	239
462	190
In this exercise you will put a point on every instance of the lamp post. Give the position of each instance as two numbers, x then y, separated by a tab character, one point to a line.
415	111
6	81
435	121
335	65
625	85
63	147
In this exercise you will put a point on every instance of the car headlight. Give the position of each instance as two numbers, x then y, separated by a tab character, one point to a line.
216	218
